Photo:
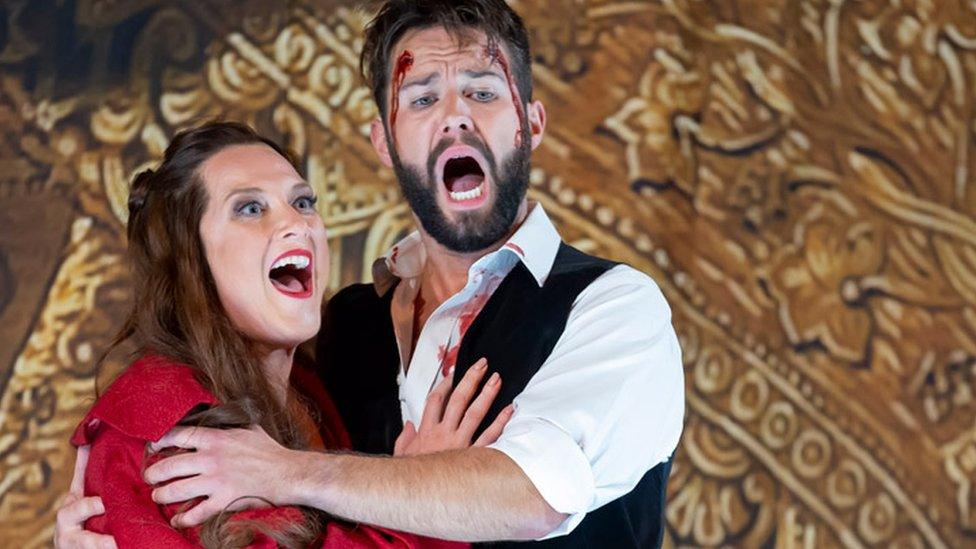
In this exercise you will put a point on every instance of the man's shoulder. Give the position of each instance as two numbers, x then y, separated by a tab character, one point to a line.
623	274
362	291
357	298
571	260
612	273
627	287
352	314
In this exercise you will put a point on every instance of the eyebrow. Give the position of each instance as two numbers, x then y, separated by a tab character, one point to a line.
427	80
301	185
474	75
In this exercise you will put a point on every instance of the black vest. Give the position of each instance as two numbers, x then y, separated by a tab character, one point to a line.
516	331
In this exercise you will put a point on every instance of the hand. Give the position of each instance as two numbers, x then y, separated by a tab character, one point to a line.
232	468
69	531
451	427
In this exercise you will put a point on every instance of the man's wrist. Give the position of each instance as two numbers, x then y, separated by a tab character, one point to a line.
304	478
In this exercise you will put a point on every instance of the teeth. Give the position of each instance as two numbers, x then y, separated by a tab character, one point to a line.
466	195
299	261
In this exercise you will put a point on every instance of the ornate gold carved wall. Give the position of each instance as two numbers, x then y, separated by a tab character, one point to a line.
798	176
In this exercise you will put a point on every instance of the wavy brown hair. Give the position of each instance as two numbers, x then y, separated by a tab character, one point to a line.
177	313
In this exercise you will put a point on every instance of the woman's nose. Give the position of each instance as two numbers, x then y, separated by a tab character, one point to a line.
291	224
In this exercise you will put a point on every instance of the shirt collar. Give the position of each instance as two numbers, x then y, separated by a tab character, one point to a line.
535	243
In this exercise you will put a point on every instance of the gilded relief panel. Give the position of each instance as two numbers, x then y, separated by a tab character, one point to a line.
797	177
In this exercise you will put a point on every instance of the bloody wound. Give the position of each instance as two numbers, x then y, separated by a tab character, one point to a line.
403	65
494	53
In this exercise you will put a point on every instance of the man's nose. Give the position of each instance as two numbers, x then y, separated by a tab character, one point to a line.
457	118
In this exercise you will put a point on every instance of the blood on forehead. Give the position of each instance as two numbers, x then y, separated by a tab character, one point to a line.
403	65
492	52
495	54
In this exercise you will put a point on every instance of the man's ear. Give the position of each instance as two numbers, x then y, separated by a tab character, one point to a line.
377	135
537	121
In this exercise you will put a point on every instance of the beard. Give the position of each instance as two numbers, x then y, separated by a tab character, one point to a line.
470	231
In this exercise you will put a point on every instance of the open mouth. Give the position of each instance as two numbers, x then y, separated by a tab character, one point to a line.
291	273
463	178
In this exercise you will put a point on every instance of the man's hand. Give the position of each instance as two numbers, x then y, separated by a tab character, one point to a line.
230	467
69	531
448	422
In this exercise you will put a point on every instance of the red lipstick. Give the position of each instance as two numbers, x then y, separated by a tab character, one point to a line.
291	273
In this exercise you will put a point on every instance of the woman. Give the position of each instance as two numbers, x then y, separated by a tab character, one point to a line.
230	262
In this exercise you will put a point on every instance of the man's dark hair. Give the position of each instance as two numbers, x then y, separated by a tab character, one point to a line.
458	17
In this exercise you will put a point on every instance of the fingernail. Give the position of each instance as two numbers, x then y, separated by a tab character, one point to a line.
493	380
482	364
450	371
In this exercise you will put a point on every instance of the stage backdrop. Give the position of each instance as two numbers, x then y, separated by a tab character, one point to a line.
797	176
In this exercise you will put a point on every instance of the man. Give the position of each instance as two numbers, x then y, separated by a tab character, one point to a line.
585	347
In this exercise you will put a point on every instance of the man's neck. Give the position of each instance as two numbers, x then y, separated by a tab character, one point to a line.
445	271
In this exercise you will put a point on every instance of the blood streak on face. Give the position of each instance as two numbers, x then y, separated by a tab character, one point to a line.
403	65
494	54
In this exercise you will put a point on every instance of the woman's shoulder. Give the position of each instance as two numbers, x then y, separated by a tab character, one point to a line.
148	399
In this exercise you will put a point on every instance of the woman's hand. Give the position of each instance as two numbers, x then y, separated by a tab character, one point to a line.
449	422
69	531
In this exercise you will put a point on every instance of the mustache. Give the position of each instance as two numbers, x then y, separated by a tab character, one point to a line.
467	139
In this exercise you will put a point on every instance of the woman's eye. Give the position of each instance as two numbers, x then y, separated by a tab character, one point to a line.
250	209
483	96
424	101
305	203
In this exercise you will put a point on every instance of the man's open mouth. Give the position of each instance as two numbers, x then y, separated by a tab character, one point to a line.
291	273
463	178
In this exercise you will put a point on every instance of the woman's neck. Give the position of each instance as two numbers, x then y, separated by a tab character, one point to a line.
277	367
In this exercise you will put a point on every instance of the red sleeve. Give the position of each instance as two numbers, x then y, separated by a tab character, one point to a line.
115	473
340	535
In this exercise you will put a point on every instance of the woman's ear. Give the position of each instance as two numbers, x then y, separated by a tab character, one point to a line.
377	135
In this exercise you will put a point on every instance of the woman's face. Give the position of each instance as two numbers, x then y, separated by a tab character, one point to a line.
265	244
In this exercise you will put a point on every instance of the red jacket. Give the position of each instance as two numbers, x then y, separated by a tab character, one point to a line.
142	405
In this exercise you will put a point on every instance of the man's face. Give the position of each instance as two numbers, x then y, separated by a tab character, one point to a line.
459	137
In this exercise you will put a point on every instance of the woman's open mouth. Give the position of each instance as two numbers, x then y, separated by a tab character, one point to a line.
291	273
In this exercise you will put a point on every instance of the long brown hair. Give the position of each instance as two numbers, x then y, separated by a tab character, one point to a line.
177	313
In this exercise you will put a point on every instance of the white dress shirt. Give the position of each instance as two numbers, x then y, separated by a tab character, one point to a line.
603	409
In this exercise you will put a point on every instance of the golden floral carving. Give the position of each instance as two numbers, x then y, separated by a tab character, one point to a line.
797	177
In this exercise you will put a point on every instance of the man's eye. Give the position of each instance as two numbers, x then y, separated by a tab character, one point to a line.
483	96
305	203
424	101
250	209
